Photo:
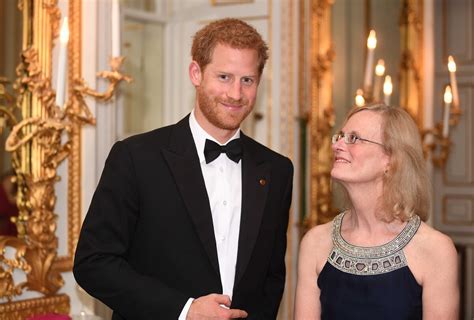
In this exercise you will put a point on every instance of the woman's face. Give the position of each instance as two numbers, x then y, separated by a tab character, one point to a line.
363	161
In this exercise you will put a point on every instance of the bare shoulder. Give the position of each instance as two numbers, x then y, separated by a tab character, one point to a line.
429	252
318	236
433	244
433	260
316	245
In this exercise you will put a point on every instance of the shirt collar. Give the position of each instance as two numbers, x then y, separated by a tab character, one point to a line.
200	136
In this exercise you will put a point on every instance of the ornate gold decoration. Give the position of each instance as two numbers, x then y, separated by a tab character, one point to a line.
37	147
438	147
435	145
411	67
320	117
23	309
114	77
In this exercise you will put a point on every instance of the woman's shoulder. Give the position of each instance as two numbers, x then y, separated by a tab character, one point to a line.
318	235
433	243
430	252
316	245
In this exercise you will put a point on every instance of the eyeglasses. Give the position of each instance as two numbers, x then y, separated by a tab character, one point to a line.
350	138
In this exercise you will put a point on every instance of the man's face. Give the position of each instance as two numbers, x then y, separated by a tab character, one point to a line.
226	90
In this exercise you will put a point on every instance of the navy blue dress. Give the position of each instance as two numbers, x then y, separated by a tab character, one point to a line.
370	282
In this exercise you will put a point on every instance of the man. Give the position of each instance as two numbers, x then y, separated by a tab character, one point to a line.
181	228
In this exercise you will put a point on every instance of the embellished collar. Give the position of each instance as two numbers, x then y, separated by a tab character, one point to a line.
370	260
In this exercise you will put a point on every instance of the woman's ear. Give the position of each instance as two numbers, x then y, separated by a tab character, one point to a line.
195	73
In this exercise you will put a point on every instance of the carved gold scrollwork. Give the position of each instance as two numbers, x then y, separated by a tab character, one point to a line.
411	67
58	304
114	77
44	137
7	285
321	114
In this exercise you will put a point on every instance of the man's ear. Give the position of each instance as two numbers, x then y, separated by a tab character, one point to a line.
195	73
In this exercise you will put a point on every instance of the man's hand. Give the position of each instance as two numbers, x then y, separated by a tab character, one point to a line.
213	306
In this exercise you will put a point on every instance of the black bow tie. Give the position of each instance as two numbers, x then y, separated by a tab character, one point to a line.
233	150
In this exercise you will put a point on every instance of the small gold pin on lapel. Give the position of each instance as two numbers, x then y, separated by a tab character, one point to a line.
262	182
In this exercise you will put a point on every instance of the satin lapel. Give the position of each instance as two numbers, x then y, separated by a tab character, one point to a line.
255	184
184	164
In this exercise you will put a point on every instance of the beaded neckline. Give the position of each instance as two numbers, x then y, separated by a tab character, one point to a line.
370	260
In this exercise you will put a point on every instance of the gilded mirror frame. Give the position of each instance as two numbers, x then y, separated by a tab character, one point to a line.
316	92
36	246
74	195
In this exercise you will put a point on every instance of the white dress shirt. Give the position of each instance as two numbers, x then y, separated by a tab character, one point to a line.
223	179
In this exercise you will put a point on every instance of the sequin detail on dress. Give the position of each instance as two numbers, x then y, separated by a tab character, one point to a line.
370	260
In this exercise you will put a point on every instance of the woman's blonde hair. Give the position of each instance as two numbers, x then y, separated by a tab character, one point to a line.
406	185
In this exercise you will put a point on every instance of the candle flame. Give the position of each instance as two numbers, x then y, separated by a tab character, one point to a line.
372	40
387	85
380	68
451	64
64	34
359	98
448	96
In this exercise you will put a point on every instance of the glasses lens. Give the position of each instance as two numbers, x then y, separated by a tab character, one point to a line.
336	138
350	138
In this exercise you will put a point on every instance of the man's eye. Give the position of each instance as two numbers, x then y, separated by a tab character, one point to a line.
247	81
224	77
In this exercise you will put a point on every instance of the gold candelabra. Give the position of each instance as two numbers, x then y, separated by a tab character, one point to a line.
39	142
436	141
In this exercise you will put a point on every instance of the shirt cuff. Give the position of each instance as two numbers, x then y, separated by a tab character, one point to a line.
184	312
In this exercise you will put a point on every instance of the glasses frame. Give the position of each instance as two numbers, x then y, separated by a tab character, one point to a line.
347	140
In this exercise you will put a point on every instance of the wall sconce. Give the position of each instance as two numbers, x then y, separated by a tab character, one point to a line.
436	142
39	142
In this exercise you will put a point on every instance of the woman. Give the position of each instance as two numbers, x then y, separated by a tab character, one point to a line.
378	259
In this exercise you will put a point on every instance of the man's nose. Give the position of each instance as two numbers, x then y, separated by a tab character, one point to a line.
235	91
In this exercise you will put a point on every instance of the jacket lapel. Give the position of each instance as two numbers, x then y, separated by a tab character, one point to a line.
183	162
255	184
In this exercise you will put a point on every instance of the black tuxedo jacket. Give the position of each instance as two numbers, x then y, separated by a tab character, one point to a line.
147	243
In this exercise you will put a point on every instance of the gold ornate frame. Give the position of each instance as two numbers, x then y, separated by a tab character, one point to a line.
316	91
411	66
37	149
35	143
64	263
318	117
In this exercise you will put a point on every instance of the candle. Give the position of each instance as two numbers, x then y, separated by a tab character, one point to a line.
448	98
359	98
371	44
379	72
61	75
115	28
452	77
387	89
